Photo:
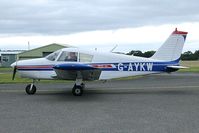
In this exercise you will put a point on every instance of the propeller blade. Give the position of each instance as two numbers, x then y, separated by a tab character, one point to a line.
14	72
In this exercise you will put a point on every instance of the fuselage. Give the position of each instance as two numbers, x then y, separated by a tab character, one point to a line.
111	65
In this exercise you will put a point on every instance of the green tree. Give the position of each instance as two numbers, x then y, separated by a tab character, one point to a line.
188	56
140	53
196	54
135	53
148	54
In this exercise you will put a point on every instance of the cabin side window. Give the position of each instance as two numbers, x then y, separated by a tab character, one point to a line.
68	56
85	57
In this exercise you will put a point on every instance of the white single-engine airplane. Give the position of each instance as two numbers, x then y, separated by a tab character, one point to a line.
78	65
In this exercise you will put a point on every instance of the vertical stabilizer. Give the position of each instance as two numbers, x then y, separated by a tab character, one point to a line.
172	48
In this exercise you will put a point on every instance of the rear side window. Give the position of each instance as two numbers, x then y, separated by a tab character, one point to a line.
85	57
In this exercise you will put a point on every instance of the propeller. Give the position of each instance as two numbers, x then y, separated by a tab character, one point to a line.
14	65
14	72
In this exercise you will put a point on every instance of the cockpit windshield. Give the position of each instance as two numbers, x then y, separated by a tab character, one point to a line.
53	56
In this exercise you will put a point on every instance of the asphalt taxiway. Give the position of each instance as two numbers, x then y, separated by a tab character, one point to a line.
156	103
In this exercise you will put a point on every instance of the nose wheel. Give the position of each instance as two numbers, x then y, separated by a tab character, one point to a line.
78	89
31	89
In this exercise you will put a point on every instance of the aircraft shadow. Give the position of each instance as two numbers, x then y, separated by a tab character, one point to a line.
100	94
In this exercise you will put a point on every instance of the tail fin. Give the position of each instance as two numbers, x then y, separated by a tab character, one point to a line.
172	48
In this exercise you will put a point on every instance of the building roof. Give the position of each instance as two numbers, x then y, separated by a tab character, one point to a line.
10	52
36	52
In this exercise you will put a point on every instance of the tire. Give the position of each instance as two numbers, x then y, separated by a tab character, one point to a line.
30	91
77	90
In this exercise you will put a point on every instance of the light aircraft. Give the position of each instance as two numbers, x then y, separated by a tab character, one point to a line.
80	65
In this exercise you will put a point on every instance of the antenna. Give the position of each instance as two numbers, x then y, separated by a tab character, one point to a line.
28	45
114	48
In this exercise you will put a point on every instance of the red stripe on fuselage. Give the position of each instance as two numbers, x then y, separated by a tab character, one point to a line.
33	67
102	66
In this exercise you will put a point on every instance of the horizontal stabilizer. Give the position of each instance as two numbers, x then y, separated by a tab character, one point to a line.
177	67
174	68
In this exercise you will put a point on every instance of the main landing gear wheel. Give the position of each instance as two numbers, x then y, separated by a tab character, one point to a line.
77	90
31	89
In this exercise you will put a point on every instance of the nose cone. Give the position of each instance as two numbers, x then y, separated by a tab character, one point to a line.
13	64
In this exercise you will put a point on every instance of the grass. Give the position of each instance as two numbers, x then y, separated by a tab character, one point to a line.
193	66
6	74
5	69
6	78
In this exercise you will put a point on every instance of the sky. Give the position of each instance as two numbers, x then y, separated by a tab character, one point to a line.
102	24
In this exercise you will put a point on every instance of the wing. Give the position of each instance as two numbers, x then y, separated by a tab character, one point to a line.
71	71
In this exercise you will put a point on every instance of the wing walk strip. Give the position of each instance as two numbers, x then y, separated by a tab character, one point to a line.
109	89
